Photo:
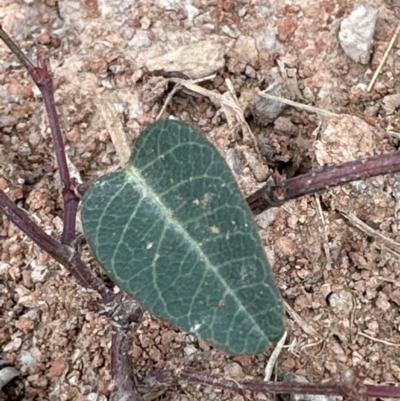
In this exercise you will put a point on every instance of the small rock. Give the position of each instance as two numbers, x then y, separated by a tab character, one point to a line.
265	219
382	302
233	370
140	40
345	139
166	338
250	72
41	382
265	11
137	352
27	358
266	110
191	11
7	121
39	273
302	302
155	354
341	301
4	267
34	138
286	28
246	49
267	40
183	5
395	296
373	327
259	171
285	126
145	23
196	60
357	31
44	37
190	350
244	360
57	368
289	363
234	160
285	246
391	102
25	324
326	289
6	375
231	31
13	345
96	397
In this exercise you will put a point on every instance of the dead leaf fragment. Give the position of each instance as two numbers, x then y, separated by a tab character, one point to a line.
115	128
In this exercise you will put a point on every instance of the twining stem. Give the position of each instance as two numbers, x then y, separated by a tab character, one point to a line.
275	194
353	389
64	254
122	366
44	81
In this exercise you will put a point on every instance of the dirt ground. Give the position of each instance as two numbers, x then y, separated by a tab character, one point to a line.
341	282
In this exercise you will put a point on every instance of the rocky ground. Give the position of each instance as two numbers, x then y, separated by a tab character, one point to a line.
340	278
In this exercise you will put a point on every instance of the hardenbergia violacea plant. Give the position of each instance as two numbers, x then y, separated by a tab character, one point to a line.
172	230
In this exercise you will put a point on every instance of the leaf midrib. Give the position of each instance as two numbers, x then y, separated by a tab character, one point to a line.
147	191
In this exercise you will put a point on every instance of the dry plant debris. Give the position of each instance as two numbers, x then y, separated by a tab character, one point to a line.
347	310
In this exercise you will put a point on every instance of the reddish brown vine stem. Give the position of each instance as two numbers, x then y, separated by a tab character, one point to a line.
276	194
64	252
44	81
65	255
352	390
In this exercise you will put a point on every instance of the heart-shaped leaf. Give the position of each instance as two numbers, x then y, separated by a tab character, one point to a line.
173	231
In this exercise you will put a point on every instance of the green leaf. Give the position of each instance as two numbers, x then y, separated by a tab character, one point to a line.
173	231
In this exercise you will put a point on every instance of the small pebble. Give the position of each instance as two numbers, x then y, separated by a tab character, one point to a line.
357	31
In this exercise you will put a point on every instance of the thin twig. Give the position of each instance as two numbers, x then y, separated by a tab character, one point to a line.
381	391
274	356
307	328
168	99
324	229
366	229
178	85
298	105
360	333
385	56
16	50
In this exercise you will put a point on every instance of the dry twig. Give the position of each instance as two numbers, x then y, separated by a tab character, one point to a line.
385	56
388	243
274	356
